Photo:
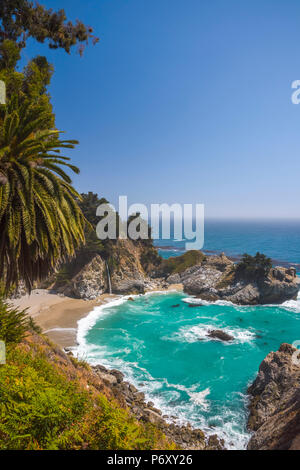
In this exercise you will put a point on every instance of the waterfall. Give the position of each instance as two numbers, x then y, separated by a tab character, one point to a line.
108	277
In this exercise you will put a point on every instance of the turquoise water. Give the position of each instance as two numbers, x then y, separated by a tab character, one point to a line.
165	351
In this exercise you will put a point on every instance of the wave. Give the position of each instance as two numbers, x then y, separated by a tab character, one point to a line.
88	322
198	301
61	329
292	305
199	398
195	333
190	404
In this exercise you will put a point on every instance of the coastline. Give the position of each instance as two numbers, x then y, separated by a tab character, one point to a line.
58	315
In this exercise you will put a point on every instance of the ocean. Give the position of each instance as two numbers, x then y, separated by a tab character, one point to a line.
161	344
278	239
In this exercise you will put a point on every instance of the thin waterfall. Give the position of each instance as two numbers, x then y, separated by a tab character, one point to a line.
108	277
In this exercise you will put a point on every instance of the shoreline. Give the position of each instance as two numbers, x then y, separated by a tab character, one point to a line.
58	315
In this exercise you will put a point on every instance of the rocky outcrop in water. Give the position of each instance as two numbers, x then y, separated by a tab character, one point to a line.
275	402
216	278
220	335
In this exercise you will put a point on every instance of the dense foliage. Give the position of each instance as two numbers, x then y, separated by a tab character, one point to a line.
21	19
179	264
13	323
254	267
41	407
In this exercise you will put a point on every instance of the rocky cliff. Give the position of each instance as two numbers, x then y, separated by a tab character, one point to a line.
128	267
216	278
275	402
135	267
88	283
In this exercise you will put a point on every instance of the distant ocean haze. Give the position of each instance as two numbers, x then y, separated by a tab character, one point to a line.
278	239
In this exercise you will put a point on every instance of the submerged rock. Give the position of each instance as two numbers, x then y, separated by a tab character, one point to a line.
222	335
275	402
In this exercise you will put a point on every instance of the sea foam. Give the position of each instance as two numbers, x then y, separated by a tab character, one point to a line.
195	333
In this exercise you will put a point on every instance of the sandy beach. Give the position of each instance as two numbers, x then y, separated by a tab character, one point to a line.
58	315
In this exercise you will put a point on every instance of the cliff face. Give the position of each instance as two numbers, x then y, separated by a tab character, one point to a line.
127	273
127	266
216	279
89	282
275	403
136	266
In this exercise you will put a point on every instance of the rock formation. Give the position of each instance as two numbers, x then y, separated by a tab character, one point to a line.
216	278
131	398
87	276
221	335
89	282
275	402
135	267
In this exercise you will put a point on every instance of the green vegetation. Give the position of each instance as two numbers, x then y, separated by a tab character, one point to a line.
43	407
47	400
21	19
41	223
227	279
179	264
254	267
13	323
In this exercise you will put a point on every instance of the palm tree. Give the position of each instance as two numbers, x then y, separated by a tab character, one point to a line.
41	223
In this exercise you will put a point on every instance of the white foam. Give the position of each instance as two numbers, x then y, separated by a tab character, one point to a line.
86	323
192	334
292	305
199	398
168	397
61	329
198	301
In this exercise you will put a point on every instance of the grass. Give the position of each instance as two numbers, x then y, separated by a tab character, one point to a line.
179	264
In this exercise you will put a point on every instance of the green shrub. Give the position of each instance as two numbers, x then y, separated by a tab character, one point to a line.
13	323
178	264
42	408
36	402
254	267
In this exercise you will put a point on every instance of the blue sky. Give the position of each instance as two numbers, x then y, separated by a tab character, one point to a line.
184	101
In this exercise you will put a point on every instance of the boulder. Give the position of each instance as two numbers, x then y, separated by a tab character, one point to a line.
221	335
274	407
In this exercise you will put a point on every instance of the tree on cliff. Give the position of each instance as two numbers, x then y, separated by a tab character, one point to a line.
21	19
254	267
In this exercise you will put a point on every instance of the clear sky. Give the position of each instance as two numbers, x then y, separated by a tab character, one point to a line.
185	101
